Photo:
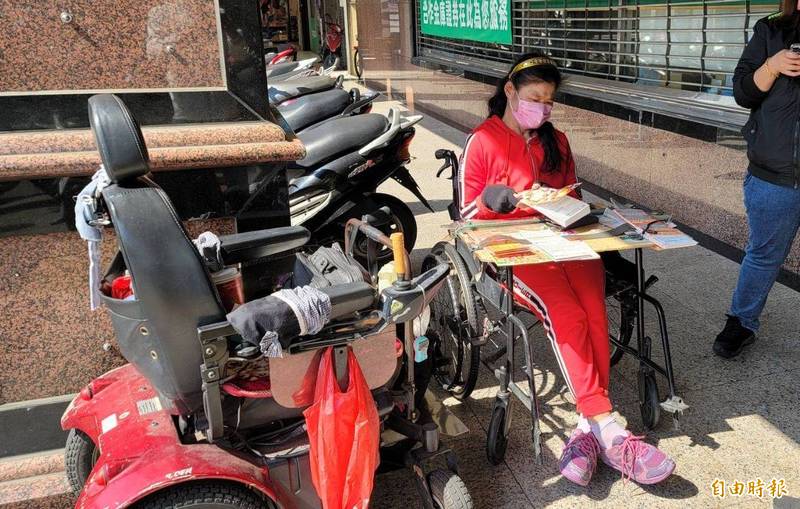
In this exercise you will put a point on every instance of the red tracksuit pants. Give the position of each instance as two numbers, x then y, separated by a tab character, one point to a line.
569	300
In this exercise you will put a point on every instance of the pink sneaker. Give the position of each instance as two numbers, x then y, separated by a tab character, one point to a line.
637	460
579	458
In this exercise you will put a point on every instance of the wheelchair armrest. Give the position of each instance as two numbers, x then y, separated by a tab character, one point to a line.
349	298
241	247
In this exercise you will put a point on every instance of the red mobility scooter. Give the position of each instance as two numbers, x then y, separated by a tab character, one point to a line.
180	426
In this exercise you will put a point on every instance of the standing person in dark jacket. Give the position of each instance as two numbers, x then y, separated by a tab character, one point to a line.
765	82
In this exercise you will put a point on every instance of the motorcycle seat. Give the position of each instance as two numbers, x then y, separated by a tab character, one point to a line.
339	136
302	112
281	68
296	87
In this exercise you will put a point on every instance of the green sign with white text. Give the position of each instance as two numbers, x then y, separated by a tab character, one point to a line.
473	20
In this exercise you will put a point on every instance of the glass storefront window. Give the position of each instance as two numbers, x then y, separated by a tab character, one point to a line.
684	44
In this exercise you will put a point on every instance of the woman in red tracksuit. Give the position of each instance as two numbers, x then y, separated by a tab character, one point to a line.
514	150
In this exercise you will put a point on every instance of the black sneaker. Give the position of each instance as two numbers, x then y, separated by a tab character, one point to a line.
733	338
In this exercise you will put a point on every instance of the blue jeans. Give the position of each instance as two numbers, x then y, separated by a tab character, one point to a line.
773	215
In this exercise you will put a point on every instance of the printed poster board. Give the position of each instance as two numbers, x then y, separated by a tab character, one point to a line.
472	20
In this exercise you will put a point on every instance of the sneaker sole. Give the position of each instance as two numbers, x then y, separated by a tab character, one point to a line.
728	354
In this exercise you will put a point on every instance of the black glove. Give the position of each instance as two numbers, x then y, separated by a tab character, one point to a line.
499	198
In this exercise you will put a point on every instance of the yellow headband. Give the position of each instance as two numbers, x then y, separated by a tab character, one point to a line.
531	62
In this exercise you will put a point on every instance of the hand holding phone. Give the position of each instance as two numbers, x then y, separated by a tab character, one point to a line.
786	62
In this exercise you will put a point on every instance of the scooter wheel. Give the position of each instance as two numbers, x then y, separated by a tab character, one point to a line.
496	440
448	491
330	60
80	455
649	401
206	495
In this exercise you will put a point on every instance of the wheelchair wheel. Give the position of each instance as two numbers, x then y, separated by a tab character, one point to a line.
496	439
454	322
621	312
649	401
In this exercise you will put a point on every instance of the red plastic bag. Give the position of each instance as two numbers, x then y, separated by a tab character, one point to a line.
344	433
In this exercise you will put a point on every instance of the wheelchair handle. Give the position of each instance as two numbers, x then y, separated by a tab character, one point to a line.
400	256
375	235
450	161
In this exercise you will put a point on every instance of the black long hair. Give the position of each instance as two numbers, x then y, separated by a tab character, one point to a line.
788	21
536	74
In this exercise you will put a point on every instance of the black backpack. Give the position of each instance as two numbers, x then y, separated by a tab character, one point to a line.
327	266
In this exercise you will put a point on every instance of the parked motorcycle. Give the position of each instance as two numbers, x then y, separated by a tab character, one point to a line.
347	159
332	49
306	111
281	53
281	91
290	70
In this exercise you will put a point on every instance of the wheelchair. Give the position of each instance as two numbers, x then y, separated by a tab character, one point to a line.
475	313
199	417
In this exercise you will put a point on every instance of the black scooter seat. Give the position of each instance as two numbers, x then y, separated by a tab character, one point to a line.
281	68
280	91
302	112
339	136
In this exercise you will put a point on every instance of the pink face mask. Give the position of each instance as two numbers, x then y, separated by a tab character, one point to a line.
530	114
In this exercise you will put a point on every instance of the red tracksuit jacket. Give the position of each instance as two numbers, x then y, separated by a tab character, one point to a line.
568	298
494	154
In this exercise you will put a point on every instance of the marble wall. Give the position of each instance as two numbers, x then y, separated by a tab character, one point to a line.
89	45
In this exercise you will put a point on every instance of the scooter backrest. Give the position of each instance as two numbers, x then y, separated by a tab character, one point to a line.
173	292
118	137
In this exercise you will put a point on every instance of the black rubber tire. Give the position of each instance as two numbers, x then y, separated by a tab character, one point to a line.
471	355
449	491
402	220
205	495
496	440
330	60
621	322
80	455
650	405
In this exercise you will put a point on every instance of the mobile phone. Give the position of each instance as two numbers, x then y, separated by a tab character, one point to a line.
795	48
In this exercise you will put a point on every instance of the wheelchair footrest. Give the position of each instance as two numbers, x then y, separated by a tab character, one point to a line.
674	405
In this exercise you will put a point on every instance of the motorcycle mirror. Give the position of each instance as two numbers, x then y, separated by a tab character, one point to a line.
441	153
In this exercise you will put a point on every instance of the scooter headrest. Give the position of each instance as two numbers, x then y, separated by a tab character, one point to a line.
118	138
